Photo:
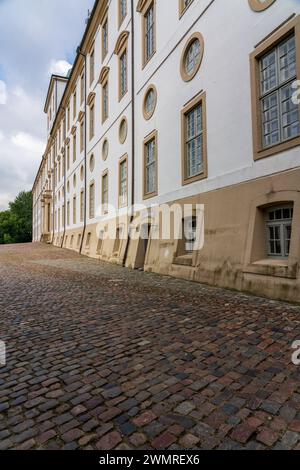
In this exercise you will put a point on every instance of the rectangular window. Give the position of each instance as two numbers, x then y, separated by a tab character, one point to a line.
74	105
149	33
150	166
105	192
68	157
92	121
82	136
74	148
74	210
92	201
122	11
104	38
183	6
92	66
123	183
194	159
68	118
279	231
123	74
82	86
105	101
59	220
81	206
68	213
274	65
279	115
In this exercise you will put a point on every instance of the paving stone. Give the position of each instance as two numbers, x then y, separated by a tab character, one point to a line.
242	433
185	408
164	441
106	378
110	441
189	441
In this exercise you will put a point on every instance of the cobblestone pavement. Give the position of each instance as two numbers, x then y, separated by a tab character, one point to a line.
101	357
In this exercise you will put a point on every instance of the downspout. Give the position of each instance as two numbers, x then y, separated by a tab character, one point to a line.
65	182
133	131
85	149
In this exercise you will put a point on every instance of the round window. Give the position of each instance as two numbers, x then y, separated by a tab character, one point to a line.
92	163
260	5
105	147
150	101
123	130
192	57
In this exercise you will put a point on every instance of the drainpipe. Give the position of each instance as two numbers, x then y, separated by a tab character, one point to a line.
65	182
85	148
133	129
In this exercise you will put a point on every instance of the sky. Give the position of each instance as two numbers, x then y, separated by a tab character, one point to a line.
37	38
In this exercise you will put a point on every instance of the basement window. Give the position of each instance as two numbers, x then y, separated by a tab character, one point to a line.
279	231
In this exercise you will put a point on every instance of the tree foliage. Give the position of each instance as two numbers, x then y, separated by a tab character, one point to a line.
16	223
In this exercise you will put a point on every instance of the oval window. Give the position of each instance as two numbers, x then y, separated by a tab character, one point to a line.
105	150
150	101
260	5
192	57
123	130
92	163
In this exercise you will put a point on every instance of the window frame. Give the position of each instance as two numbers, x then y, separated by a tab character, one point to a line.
74	210
143	8
82	205
259	151
92	200
123	160
104	205
198	100
124	121
183	8
184	75
281	223
92	120
147	140
92	65
120	17
147	115
104	34
257	6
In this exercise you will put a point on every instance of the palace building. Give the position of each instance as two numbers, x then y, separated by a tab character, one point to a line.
180	102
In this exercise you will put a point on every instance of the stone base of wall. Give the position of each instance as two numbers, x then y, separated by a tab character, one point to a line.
234	251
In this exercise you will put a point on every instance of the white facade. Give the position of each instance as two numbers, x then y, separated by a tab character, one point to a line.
232	31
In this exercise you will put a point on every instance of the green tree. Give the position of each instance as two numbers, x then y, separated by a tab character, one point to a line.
16	223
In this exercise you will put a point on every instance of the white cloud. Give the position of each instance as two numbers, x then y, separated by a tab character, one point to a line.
4	200
27	60
28	142
3	92
59	67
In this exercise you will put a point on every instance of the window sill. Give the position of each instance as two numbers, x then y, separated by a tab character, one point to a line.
273	267
184	260
277	148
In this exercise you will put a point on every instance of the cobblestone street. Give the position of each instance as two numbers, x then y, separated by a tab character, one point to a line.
101	357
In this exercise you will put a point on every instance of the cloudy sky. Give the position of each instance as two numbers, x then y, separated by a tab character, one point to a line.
37	38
